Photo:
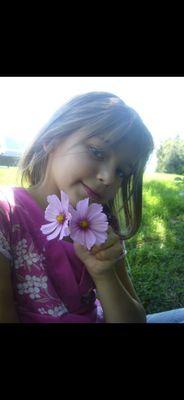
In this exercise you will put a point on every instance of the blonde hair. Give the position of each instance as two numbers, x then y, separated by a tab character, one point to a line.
98	113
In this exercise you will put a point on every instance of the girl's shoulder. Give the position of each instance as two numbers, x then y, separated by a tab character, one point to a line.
6	200
20	220
13	212
10	199
8	194
17	201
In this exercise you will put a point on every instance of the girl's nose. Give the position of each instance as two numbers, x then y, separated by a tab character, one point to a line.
107	175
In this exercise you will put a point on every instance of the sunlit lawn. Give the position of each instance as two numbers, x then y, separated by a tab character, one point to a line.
8	176
155	254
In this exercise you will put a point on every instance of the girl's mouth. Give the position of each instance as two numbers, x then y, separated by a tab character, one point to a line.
90	192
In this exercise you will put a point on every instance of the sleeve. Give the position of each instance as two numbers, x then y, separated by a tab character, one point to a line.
5	227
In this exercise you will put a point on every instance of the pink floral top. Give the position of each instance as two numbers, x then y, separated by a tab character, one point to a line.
50	283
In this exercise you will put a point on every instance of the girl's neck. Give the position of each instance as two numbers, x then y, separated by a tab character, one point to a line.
38	195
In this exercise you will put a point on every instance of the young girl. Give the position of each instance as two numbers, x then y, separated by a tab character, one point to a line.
94	142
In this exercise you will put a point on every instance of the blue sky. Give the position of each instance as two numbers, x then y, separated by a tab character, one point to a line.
26	103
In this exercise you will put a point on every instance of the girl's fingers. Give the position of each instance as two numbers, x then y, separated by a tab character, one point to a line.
111	240
109	254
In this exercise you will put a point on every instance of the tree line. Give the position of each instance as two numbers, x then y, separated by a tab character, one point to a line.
170	156
8	161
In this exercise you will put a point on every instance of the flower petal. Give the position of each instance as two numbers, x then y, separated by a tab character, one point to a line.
47	228
74	224
74	234
101	219
66	222
64	200
65	231
52	211
99	226
50	214
55	202
82	207
68	216
79	238
75	219
94	209
71	209
101	237
55	233
82	237
90	239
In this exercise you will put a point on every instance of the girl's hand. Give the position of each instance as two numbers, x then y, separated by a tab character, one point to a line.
101	259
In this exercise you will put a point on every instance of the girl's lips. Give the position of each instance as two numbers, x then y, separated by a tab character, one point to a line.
90	192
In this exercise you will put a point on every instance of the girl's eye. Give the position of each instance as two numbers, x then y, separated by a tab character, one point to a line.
97	152
100	155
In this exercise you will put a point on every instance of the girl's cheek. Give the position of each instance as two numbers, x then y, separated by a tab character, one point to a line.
89	165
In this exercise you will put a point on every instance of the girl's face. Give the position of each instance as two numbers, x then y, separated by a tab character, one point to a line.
92	162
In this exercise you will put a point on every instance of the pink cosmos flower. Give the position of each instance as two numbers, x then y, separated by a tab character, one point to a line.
58	215
89	224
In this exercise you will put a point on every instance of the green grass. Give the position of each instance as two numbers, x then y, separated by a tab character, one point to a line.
155	253
8	176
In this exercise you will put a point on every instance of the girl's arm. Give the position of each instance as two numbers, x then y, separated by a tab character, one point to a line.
115	290
8	312
125	281
119	301
122	274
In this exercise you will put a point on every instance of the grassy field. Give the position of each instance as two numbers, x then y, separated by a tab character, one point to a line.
155	253
8	176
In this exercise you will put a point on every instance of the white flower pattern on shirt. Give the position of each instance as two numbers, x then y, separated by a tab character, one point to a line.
32	286
28	256
4	246
56	311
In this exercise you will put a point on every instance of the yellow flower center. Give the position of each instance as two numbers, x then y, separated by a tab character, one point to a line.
84	224
60	218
